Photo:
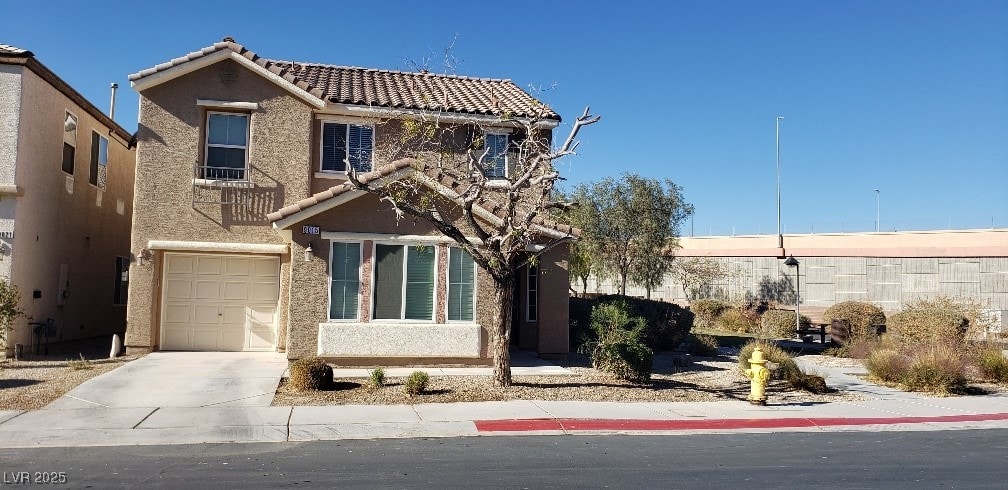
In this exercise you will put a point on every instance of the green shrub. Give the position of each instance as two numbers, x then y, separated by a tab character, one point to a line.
991	362
938	368
927	325
780	324
887	364
787	369
702	345
706	312
666	324
861	317
618	349
377	377
310	373
416	383
626	360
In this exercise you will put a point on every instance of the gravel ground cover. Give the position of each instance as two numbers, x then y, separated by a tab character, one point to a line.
35	381
675	378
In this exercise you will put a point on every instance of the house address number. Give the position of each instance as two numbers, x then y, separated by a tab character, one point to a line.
310	230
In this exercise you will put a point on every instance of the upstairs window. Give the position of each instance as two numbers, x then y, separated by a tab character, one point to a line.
69	142
99	160
226	146
342	143
495	145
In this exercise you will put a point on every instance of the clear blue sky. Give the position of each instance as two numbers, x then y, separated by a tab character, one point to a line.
907	97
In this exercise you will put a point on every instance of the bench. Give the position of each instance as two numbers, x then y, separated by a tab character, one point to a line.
806	333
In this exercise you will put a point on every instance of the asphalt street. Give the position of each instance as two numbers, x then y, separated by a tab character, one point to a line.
947	459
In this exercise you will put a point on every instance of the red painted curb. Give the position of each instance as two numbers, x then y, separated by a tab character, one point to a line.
529	425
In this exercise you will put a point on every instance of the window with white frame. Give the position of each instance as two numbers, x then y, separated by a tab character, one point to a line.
344	274
69	142
495	146
121	281
532	294
345	142
461	285
404	282
99	160
226	146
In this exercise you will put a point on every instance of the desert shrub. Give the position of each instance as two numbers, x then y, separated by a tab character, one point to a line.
416	383
706	312
990	362
887	364
377	377
780	324
786	368
971	310
10	299
630	361
859	315
618	349
80	364
927	325
736	320
937	367
310	373
702	345
666	324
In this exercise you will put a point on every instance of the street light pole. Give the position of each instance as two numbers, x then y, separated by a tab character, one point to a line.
792	262
780	237
876	210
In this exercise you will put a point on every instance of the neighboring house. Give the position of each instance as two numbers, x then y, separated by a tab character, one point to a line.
251	238
66	199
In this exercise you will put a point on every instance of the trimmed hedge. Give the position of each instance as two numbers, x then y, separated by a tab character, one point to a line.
668	324
781	324
310	373
707	311
931	325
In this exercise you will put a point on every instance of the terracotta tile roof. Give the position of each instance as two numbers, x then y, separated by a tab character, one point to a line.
8	50
390	169
422	91
385	88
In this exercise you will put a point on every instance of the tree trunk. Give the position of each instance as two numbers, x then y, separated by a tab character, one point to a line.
648	292
504	300
584	286
622	286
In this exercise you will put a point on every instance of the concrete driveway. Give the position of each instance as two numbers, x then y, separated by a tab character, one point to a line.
183	379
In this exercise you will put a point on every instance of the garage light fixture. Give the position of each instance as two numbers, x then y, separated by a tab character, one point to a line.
308	252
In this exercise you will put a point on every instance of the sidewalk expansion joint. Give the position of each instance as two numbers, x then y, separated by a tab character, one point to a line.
146	417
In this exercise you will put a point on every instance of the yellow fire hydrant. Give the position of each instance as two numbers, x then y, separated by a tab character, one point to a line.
759	375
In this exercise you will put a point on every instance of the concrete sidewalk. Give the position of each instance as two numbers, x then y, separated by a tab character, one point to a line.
179	398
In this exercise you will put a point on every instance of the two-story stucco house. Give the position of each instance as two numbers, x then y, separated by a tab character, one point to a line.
66	199
250	237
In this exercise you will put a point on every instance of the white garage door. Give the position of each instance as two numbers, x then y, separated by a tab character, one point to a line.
219	302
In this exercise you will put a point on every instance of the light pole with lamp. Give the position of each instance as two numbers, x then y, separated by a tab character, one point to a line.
792	262
876	210
780	237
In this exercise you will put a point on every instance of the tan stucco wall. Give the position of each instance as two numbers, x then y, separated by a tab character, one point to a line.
170	142
61	219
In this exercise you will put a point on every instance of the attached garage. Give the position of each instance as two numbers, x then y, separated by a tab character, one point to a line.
217	302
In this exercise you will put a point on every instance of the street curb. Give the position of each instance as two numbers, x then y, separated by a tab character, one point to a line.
582	425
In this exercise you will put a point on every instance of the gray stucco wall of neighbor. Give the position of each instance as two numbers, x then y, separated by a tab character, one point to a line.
169	143
888	269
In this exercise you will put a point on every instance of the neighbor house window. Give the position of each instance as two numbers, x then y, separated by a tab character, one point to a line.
461	285
342	143
121	280
532	294
495	145
99	160
69	142
344	288
226	146
404	282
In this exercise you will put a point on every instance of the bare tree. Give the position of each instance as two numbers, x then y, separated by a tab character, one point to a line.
443	174
696	274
